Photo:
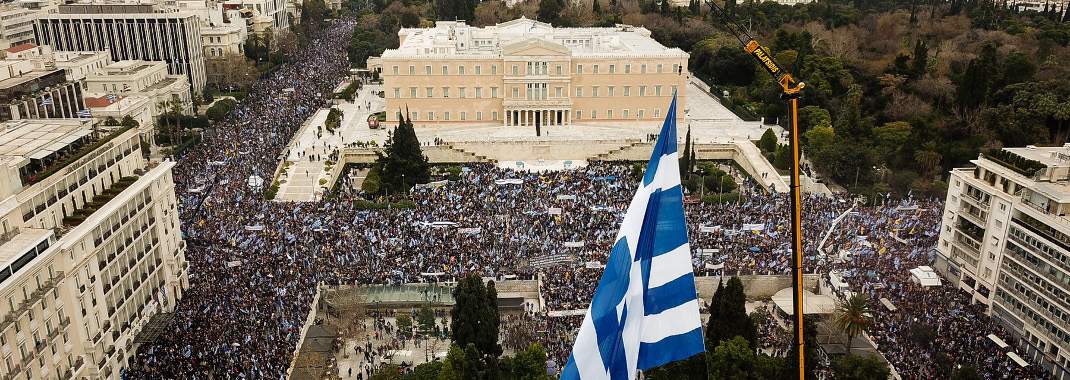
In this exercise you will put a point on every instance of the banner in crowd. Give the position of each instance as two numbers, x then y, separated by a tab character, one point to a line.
554	211
509	181
573	244
753	227
708	251
709	229
258	227
470	230
566	197
231	264
432	184
712	266
594	265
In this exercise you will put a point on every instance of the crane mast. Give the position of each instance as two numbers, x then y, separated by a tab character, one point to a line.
790	89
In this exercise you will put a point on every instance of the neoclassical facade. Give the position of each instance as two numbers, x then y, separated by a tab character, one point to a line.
526	73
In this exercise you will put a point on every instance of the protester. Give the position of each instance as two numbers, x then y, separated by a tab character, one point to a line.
255	264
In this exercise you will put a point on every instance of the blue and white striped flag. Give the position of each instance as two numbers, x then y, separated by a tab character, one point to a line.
46	101
86	113
645	312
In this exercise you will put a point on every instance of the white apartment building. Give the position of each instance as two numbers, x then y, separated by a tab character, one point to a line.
173	37
90	249
140	78
75	64
272	9
16	25
1005	239
27	92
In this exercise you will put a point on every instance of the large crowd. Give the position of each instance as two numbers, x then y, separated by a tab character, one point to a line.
255	264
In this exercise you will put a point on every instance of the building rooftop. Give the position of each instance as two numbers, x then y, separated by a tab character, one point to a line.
1047	155
20	242
455	38
36	139
19	48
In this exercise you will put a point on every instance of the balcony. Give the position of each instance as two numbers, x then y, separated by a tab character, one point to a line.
99	201
68	157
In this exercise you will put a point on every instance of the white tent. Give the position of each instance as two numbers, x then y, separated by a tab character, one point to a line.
812	303
925	276
999	342
1018	359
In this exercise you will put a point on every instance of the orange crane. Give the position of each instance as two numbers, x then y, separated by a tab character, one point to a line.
790	89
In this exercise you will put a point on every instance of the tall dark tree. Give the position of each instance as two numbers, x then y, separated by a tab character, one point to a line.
728	316
665	7
465	318
490	323
920	60
402	163
596	8
550	10
685	157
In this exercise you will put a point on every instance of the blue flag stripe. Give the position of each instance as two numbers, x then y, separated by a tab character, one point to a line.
675	293
673	348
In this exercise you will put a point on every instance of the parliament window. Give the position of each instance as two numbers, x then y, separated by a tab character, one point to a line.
612	69
412	70
460	70
427	70
445	70
397	92
395	70
431	115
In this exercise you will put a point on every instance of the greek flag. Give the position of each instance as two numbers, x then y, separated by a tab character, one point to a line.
85	113
645	311
46	101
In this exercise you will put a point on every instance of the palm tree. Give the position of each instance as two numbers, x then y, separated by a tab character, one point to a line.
853	317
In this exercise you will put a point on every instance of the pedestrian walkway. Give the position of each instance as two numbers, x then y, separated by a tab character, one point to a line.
305	174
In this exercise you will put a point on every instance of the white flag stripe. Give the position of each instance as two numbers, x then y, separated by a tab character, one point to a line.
589	361
670	266
668	174
675	321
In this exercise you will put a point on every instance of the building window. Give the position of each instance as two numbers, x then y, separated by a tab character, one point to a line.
431	116
445	70
412	92
494	115
657	90
559	70
579	92
464	116
627	68
579	114
612	69
446	117
460	92
478	69
624	114
414	115
609	115
676	69
493	92
659	68
427	70
479	116
642	90
557	92
395	70
397	92
609	91
516	92
429	91
479	91
594	114
657	112
516	70
579	69
642	69
594	91
412	70
641	115
494	69
596	69
460	70
445	92
674	87
627	90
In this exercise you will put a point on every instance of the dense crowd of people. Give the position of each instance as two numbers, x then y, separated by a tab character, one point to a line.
255	264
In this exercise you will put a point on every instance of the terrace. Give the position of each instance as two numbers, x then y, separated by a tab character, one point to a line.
99	201
45	162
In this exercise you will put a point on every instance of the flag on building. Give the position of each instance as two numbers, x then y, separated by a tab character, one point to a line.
46	101
85	113
645	311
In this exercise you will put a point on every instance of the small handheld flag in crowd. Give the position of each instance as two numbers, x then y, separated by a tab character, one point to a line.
645	311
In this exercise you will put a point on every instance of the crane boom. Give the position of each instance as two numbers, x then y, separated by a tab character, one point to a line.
790	89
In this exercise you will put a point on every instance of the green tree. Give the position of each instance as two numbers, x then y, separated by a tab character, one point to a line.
966	372
685	158
402	163
891	138
372	183
334	120
529	364
129	122
735	360
853	317
426	371
111	122
859	367
426	318
474	318
596	8
490	323
550	10
782	159
768	142
387	372
454	366
404	322
920	62
728	315
219	110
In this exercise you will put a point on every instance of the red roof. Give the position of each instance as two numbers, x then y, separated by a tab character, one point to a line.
19	48
98	102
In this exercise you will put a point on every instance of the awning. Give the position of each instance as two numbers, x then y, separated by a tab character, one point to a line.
40	154
813	304
1018	359
999	342
925	276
